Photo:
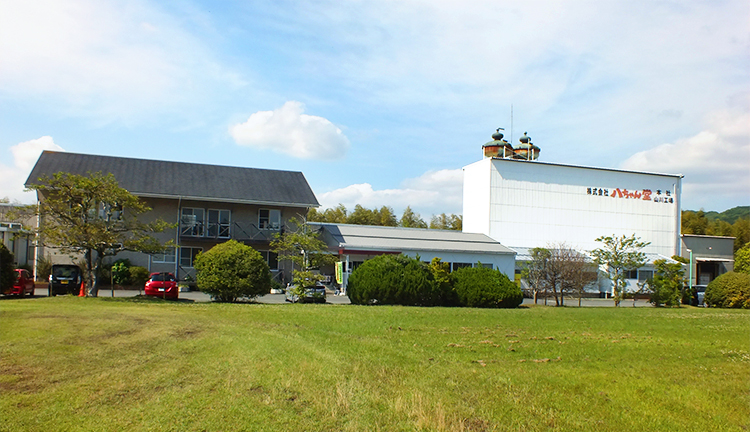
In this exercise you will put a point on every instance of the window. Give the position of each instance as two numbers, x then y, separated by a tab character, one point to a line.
191	222
271	258
631	274
218	223
644	275
269	219
167	257
489	266
110	213
187	255
456	266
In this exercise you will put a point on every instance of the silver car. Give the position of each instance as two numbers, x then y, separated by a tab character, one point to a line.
312	294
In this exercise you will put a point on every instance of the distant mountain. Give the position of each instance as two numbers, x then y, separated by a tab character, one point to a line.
729	216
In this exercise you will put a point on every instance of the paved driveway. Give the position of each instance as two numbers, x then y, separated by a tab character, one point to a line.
198	296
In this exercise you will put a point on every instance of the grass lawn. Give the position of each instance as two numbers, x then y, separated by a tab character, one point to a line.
69	363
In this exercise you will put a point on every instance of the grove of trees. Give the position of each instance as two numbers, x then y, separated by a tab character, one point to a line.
734	222
384	216
561	270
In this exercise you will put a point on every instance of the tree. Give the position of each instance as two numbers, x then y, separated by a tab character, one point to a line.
534	271
578	272
694	222
742	259
560	269
411	219
385	217
447	222
331	215
94	216
232	270
302	246
666	285
7	268
618	255
362	216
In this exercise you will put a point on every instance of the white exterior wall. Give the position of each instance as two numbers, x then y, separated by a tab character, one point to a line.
537	204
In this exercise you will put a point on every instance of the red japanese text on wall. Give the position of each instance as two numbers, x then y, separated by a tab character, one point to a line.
657	196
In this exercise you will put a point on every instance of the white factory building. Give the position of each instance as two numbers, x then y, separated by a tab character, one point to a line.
524	203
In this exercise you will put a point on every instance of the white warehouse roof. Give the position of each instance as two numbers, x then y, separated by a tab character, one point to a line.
395	239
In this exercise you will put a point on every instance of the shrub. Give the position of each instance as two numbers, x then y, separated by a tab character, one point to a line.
43	268
443	282
121	272
7	275
138	275
730	290
232	270
667	284
484	287
742	259
395	280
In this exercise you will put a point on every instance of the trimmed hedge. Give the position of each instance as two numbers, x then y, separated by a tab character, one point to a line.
395	280
400	280
730	290
232	270
485	288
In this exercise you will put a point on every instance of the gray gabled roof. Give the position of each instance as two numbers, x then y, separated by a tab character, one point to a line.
395	239
155	178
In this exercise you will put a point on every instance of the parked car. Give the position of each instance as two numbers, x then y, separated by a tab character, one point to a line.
314	294
162	284
64	279
22	285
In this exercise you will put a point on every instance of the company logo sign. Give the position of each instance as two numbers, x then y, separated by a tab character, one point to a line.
657	196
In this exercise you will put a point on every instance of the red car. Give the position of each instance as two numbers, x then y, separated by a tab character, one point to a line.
162	285
24	284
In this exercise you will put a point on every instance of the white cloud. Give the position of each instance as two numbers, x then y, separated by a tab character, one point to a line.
288	130
434	192
105	60
715	162
24	157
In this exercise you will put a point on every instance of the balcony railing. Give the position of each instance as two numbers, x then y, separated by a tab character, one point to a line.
237	231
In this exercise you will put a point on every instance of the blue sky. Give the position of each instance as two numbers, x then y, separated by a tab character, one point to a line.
382	103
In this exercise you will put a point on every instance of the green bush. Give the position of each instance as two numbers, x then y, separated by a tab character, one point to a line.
138	275
484	287
666	285
43	268
394	280
730	290
232	270
7	275
121	272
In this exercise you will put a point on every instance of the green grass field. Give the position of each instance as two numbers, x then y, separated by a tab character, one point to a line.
69	363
